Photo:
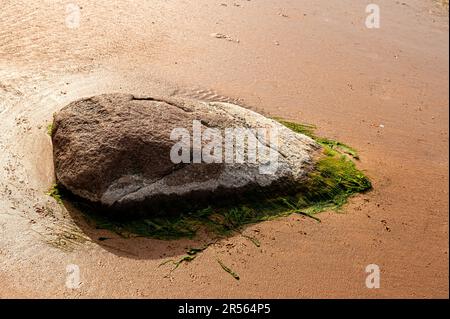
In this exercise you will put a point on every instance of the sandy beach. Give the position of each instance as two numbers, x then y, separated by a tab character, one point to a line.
383	91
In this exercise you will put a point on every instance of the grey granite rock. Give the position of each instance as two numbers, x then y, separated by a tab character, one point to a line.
115	150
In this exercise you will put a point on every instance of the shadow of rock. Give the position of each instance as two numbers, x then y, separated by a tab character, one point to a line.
133	246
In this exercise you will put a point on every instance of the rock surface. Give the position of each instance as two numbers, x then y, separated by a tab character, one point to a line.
114	150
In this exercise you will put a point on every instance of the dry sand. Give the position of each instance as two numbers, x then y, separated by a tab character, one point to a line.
383	91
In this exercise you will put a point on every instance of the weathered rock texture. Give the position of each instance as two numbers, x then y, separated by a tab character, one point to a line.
115	150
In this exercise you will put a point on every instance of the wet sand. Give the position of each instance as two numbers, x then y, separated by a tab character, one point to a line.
383	91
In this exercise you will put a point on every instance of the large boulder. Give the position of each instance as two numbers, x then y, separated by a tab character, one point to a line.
134	154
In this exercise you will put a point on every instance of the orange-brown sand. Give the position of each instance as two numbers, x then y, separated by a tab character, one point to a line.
383	91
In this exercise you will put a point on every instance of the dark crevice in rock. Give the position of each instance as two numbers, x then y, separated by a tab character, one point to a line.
174	169
163	100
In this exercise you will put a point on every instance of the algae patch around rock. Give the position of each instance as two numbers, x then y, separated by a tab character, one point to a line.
334	179
308	130
54	192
